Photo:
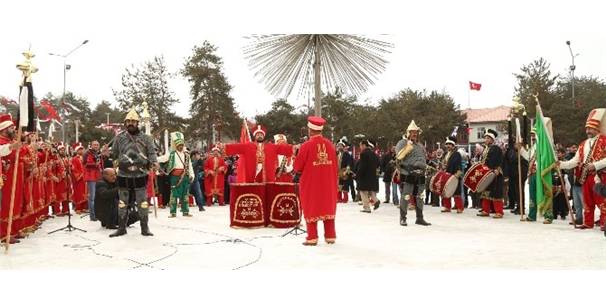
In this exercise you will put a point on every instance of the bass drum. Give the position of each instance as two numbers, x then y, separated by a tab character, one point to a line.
479	177
443	184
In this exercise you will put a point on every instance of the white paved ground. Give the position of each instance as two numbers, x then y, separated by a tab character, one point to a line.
367	241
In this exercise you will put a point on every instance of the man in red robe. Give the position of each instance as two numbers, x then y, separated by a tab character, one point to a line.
589	161
8	149
79	196
29	206
61	182
51	163
40	181
38	186
260	158
214	177
316	170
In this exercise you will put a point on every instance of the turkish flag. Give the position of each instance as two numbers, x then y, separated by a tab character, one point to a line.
475	86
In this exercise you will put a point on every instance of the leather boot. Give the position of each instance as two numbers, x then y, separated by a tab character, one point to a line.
402	218
121	226
420	220
144	227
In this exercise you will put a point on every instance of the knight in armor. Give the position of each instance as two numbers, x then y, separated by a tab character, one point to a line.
453	164
410	155
492	157
136	155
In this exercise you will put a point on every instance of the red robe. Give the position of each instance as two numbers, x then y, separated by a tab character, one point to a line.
61	186
30	207
7	176
80	197
317	164
214	178
38	190
49	185
268	156
591	199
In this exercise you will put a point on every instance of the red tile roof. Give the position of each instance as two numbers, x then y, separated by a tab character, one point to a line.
487	114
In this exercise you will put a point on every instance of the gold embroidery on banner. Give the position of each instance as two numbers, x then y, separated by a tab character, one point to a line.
322	156
288	208
252	206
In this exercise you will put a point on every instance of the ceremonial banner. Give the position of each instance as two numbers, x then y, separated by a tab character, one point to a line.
26	107
545	159
247	205
282	205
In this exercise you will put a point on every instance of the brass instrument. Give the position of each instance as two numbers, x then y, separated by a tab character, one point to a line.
404	152
345	172
585	165
282	167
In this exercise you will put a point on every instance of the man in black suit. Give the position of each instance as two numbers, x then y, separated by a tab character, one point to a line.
367	176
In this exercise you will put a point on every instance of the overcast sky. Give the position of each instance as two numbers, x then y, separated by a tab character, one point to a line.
439	45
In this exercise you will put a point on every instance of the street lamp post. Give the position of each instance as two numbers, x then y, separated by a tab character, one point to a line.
77	121
572	68
65	68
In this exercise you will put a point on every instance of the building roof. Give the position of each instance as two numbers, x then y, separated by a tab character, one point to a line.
487	114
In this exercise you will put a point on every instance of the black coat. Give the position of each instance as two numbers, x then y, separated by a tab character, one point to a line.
346	161
106	202
494	160
367	171
387	166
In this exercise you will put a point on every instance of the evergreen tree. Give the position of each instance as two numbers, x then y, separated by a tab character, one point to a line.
212	107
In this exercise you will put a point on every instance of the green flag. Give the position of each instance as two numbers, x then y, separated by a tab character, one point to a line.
545	160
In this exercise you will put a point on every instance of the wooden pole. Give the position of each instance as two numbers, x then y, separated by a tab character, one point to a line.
317	87
574	222
520	189
153	185
13	188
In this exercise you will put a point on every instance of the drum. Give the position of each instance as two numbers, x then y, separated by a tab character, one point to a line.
283	209
246	207
478	177
444	184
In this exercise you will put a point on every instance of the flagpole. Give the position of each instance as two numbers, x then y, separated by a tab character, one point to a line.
13	188
27	68
469	98
520	189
